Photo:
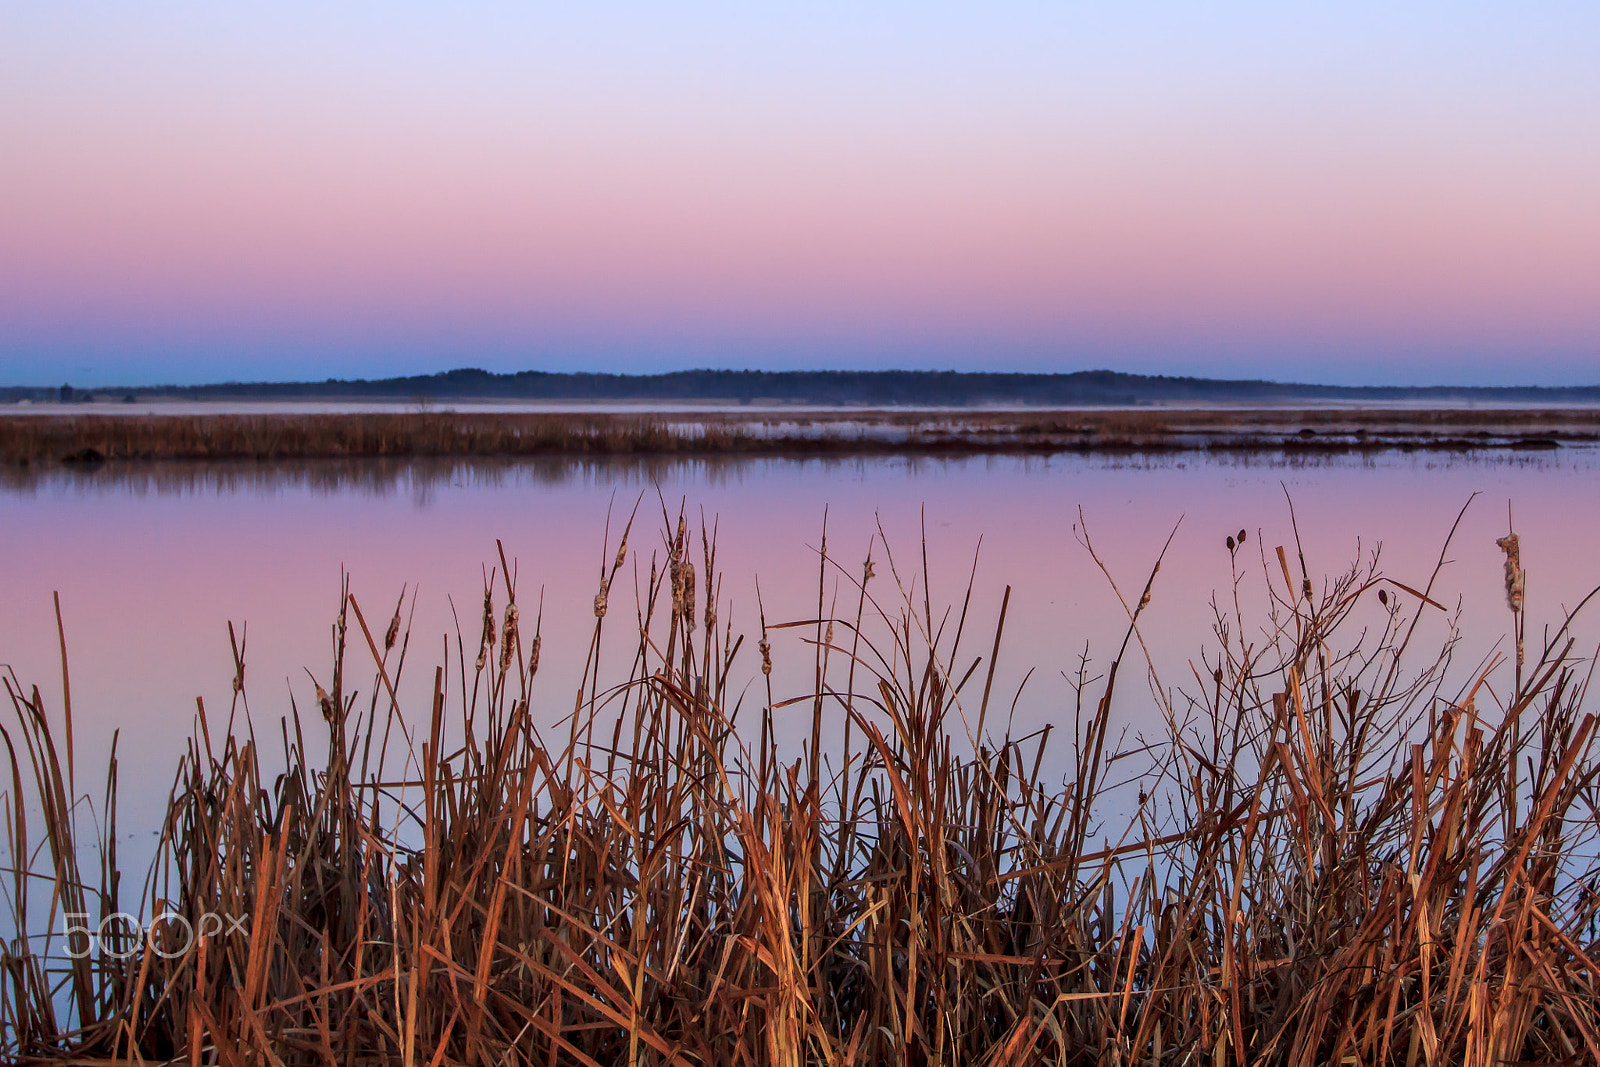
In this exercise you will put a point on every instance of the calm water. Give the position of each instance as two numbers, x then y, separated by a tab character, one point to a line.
152	563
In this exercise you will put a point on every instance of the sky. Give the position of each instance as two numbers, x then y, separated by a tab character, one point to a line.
1383	193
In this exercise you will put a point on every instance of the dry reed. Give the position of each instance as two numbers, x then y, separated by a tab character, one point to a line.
1325	861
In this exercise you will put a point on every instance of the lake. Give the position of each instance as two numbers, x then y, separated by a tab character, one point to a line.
152	562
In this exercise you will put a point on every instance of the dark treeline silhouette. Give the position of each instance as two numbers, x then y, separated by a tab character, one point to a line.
886	387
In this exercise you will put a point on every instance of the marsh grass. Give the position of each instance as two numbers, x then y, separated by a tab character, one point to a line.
1328	858
88	439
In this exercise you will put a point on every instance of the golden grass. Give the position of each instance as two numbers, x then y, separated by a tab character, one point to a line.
1324	861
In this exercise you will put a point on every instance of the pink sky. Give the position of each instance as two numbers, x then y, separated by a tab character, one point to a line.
234	202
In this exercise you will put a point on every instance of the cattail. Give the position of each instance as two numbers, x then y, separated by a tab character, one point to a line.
533	655
486	642
508	638
602	598
326	703
675	567
393	633
688	593
866	573
1515	582
766	656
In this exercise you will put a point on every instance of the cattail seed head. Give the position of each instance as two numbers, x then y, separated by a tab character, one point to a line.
1516	581
766	656
675	568
508	638
487	640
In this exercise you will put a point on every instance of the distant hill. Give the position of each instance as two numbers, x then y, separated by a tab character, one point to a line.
874	388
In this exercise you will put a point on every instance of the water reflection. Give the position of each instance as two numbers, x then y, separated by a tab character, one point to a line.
421	477
154	560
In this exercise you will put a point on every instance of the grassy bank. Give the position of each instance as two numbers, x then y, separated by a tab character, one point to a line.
89	439
1336	853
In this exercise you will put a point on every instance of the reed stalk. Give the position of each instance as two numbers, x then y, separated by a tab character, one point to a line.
1330	857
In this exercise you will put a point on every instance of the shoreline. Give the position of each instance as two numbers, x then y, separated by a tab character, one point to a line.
92	439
